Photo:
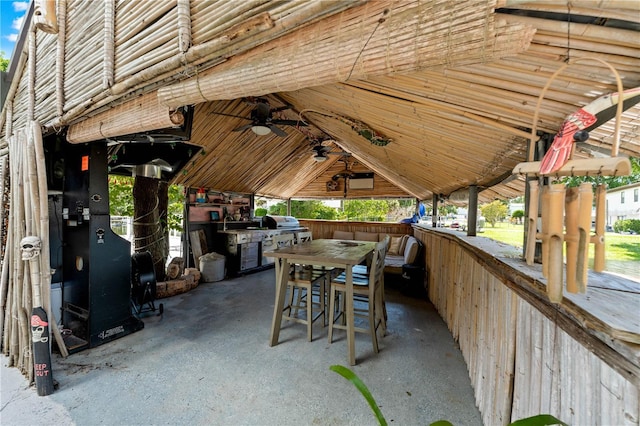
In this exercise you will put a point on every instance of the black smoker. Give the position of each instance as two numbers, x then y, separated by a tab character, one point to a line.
92	263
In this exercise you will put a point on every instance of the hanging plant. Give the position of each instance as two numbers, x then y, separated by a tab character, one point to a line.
366	131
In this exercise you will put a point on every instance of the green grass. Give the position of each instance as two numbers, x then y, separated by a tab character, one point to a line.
617	246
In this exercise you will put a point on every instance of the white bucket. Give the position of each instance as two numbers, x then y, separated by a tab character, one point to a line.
212	267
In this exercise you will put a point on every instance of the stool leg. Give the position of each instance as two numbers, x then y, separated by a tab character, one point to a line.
322	297
372	324
309	313
332	309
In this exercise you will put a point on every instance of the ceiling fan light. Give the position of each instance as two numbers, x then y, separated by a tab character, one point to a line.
261	130
319	158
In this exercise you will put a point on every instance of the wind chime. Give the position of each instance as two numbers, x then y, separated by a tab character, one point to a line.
565	213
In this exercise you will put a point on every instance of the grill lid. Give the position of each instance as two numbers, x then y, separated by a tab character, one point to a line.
281	222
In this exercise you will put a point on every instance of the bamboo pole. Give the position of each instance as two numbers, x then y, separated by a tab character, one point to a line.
598	238
44	16
60	48
109	44
585	194
6	290
572	237
5	284
544	235
555	242
184	25
19	339
45	258
532	222
31	76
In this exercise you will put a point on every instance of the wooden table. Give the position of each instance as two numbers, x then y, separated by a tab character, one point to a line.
331	253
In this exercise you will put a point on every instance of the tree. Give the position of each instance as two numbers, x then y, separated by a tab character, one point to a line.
121	200
156	208
518	215
4	62
610	181
366	210
305	210
494	212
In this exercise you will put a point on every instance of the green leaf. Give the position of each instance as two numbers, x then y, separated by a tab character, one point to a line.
359	384
539	420
441	423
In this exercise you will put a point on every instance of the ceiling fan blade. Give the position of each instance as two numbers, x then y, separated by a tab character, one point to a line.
243	128
289	122
278	131
282	108
229	115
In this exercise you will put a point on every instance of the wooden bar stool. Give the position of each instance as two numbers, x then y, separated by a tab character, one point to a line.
365	287
302	280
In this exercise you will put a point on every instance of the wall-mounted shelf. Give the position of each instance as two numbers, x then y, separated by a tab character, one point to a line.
218	204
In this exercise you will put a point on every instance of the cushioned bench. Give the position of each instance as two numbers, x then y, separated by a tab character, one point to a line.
403	248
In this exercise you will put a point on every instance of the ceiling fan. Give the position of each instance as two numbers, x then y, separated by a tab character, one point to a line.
262	121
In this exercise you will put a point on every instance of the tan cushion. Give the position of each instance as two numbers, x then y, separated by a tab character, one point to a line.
366	236
403	244
394	246
411	250
342	235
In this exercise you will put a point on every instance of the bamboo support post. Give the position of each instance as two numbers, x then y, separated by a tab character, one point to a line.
532	221
571	237
598	238
44	16
555	240
585	202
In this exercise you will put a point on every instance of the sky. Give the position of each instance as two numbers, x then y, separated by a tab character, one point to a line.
11	15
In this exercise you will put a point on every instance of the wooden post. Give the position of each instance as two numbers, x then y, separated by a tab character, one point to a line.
598	239
472	220
434	213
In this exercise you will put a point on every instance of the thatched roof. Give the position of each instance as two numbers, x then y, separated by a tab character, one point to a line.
452	85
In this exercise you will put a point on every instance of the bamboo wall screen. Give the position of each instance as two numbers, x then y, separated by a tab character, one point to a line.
520	362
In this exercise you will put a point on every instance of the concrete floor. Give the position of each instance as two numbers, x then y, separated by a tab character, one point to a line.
207	361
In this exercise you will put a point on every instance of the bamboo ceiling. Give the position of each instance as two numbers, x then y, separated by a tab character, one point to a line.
453	85
451	127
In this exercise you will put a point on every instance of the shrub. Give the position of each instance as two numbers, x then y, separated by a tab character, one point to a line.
627	225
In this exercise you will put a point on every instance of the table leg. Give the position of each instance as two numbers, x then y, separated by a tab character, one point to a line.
351	334
281	290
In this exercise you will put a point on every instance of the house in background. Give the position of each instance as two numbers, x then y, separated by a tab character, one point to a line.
623	203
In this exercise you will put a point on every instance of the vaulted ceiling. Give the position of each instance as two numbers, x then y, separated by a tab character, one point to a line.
454	114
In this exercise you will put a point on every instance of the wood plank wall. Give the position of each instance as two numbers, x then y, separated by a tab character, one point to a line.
521	363
325	228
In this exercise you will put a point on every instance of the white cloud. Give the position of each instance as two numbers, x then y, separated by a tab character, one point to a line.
20	6
12	37
17	23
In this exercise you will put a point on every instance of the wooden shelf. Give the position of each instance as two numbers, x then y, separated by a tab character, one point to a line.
218	204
